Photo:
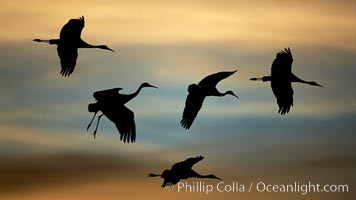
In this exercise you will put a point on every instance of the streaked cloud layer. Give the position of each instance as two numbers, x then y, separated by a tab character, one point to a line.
309	22
46	153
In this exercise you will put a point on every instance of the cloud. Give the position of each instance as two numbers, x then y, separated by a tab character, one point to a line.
46	151
176	22
37	171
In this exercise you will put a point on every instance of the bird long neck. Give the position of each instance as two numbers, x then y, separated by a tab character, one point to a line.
194	174
219	94
133	95
225	93
299	80
201	176
137	91
83	44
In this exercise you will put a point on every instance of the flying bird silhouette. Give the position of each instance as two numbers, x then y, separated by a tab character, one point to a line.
197	94
281	79
68	43
111	103
182	170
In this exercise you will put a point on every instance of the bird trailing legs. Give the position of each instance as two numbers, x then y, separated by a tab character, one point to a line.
91	121
39	40
52	41
264	79
97	124
154	175
255	79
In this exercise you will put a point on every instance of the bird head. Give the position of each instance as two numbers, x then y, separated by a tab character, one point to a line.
106	48
145	84
315	84
213	176
231	93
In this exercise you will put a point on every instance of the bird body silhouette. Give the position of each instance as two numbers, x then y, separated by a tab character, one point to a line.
197	94
111	103
68	43
182	170
281	79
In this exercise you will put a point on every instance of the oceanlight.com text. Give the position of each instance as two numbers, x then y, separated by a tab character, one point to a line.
260	186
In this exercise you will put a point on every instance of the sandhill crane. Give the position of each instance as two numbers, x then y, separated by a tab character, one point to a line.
182	170
112	104
281	79
68	43
197	94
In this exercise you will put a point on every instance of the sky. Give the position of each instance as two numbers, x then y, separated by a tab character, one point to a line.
47	153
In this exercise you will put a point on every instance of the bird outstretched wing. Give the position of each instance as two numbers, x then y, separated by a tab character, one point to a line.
72	30
187	164
123	119
67	48
105	95
282	64
283	91
192	161
213	79
68	56
281	72
193	104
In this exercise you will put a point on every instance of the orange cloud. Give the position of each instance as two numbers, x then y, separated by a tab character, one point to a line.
162	22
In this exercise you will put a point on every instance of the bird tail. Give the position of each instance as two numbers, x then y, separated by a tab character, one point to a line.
93	107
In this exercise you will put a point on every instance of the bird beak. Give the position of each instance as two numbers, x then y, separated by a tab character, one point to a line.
110	49
235	95
154	86
319	85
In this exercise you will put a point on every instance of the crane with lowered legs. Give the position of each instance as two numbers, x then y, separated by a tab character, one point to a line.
112	104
